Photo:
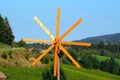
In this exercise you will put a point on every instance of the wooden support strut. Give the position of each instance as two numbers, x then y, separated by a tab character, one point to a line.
75	43
39	41
57	44
69	56
42	55
70	29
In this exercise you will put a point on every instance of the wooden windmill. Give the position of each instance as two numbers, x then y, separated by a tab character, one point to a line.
56	43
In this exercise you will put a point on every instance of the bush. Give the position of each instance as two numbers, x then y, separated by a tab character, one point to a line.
48	74
4	55
27	56
10	54
45	60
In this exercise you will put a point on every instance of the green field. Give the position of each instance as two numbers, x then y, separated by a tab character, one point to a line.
29	73
18	73
71	72
102	58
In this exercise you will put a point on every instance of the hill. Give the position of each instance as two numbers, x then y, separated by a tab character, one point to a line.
71	72
110	38
17	66
13	57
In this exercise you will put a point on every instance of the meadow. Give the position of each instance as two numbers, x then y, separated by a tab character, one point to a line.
71	73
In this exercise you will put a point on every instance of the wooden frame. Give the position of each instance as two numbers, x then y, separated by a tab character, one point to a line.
57	43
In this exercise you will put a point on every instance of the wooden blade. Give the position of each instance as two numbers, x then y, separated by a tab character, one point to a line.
42	55
39	41
57	23
69	56
70	29
76	43
44	28
55	60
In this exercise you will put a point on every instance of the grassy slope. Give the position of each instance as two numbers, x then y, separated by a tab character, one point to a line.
17	57
18	73
71	72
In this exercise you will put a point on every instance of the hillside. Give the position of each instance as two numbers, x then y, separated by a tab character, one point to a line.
14	57
71	72
110	38
17	66
19	57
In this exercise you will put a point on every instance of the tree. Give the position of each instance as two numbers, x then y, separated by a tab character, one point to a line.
1	29
105	65
110	65
114	68
72	52
21	44
6	34
101	45
90	62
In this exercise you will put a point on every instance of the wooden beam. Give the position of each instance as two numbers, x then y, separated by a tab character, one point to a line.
39	41
70	29
42	55
44	28
76	43
69	56
57	23
55	60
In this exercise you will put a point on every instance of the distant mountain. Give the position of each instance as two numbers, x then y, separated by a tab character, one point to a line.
110	38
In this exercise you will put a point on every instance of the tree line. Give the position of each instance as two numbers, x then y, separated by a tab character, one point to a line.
6	34
101	48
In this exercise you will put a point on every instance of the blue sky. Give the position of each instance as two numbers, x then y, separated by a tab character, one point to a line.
99	17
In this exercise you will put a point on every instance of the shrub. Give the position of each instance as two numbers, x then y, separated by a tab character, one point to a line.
27	56
4	55
10	54
48	74
45	60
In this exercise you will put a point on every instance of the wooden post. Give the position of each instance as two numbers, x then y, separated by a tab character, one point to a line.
58	68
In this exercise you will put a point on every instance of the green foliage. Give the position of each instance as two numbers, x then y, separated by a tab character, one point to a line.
27	56
2	45
90	62
110	65
4	55
72	52
20	73
10	54
6	35
65	60
21	44
48	74
70	72
45	60
105	52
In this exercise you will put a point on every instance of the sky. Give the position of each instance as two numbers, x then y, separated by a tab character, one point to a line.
100	17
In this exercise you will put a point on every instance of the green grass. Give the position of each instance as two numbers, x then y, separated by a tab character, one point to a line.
3	45
71	72
102	58
19	73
